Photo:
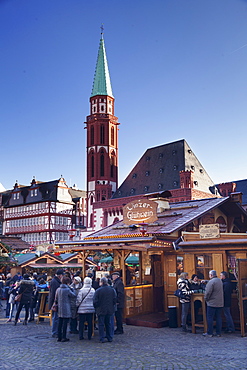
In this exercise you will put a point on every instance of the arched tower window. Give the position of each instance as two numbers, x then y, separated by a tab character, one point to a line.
102	134
92	135
112	166
112	136
102	164
92	166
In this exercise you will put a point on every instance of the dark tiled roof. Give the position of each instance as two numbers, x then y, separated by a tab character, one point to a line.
14	243
158	170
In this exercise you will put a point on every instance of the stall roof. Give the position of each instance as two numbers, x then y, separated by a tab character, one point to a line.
171	220
134	243
54	265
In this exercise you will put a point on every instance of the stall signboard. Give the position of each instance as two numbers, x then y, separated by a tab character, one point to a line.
209	231
140	211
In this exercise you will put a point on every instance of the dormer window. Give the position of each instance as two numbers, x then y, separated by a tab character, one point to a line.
161	170
147	158
193	168
147	173
146	188
175	167
175	183
196	183
134	176
132	191
160	155
174	152
160	186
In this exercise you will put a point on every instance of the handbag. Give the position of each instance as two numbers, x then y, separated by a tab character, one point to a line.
178	293
18	297
54	307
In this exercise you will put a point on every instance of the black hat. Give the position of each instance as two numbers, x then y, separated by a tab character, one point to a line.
116	273
60	272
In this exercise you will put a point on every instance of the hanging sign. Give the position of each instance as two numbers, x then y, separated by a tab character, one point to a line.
209	231
140	211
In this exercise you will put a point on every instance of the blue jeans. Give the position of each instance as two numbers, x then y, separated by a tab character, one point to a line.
229	321
185	310
112	324
211	313
54	328
105	322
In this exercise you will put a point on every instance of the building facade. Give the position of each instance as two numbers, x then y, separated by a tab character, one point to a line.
43	212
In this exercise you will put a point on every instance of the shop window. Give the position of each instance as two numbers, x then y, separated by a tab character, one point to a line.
180	265
204	264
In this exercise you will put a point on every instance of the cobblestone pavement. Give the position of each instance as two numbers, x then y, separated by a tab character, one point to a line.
31	347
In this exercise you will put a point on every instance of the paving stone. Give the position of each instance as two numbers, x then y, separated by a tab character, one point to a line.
32	347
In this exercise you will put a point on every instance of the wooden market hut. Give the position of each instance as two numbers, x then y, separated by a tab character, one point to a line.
48	262
176	242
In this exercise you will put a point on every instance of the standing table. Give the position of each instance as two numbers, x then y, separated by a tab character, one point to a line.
198	297
42	308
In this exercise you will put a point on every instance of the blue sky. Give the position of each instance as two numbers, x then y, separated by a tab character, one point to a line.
178	70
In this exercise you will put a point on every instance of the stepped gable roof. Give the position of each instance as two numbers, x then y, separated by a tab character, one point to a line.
15	243
241	187
177	217
159	168
102	81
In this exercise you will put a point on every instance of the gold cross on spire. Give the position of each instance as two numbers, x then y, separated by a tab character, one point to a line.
102	29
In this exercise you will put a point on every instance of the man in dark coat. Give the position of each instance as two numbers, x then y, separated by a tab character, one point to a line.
119	287
55	283
104	303
227	289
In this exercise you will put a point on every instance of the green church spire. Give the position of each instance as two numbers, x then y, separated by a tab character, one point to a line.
102	81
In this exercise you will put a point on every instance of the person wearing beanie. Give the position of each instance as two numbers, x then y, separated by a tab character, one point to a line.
85	307
75	286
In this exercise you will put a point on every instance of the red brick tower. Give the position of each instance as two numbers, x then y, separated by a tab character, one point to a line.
102	138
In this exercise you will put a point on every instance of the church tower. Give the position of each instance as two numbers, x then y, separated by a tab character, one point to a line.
102	138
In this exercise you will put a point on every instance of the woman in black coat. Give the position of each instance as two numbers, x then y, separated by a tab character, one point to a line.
26	289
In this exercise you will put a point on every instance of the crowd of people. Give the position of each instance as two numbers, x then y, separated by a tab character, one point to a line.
82	304
217	296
